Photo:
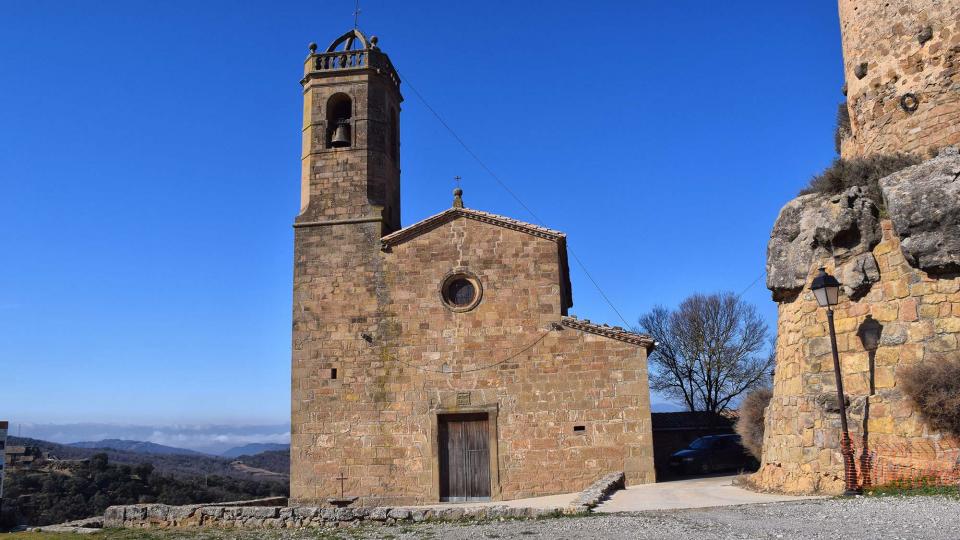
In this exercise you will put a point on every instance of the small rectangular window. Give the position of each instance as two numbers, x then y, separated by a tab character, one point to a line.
579	429
333	373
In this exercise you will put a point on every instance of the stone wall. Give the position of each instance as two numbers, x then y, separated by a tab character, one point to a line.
912	289
162	516
248	516
892	48
921	322
403	358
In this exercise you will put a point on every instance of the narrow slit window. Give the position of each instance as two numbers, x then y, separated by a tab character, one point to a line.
333	373
579	429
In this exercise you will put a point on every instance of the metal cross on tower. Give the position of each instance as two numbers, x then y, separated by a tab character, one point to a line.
356	14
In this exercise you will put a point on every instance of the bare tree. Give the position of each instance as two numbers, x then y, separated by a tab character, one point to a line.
709	351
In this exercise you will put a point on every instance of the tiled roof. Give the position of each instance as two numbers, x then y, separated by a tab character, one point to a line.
450	214
613	332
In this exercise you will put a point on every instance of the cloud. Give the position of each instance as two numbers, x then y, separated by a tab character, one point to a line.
212	439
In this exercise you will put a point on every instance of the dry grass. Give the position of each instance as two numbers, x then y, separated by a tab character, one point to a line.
934	390
866	172
750	424
842	130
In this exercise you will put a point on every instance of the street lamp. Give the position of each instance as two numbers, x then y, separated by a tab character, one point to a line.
826	289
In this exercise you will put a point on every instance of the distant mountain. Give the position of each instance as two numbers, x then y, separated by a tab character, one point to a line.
181	465
253	448
137	447
210	439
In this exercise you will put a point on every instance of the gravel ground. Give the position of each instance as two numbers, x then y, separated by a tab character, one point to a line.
889	518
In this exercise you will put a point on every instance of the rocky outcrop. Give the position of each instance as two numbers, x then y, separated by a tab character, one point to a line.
924	205
811	227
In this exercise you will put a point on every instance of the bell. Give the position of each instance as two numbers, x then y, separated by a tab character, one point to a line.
341	137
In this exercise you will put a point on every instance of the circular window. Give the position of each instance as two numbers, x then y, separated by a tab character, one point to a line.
460	292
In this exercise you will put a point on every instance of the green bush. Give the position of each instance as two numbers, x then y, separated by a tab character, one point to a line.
866	172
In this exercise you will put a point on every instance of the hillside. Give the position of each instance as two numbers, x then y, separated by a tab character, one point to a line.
276	461
181	465
58	491
139	447
254	448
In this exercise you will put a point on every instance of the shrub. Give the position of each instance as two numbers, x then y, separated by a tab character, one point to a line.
934	390
866	172
750	424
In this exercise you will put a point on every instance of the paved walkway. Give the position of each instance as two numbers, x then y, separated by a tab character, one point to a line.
694	493
549	502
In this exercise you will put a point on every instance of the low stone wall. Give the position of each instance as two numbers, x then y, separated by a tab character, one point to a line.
266	501
162	516
227	517
598	491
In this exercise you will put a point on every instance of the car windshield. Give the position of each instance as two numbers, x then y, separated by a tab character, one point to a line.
701	443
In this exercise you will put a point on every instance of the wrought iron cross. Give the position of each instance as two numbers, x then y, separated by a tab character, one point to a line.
341	478
457	179
356	14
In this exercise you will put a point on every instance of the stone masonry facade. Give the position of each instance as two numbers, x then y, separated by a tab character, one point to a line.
379	357
902	72
920	318
898	262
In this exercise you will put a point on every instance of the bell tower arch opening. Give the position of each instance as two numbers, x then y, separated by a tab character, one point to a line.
339	114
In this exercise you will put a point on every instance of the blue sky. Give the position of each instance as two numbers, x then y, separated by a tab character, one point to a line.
149	160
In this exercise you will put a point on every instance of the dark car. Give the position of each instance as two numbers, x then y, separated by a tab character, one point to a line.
712	454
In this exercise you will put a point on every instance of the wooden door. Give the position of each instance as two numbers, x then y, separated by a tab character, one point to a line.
464	457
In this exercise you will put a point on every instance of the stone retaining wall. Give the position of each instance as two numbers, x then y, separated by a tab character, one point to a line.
920	318
599	490
162	516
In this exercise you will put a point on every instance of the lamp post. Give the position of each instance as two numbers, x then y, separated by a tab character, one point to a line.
826	289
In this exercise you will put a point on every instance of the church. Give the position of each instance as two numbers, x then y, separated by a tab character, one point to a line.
437	361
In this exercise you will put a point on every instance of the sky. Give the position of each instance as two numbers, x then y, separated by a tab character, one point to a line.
149	165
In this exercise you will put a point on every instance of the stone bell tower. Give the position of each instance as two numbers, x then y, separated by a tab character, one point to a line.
350	198
351	143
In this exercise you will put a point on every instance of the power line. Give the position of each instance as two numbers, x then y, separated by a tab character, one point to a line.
512	194
752	283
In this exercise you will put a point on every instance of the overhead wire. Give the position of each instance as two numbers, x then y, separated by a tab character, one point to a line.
529	210
515	197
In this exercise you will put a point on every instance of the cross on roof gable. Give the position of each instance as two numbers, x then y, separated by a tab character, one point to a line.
450	214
